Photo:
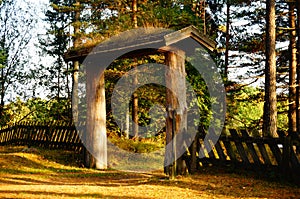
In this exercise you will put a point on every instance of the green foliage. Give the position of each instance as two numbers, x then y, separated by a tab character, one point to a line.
245	108
14	112
203	100
282	117
137	146
49	110
102	19
36	110
167	14
149	95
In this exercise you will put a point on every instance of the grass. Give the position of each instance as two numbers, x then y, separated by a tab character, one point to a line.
132	154
137	146
58	174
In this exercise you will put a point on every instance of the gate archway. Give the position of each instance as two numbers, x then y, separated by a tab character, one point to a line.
175	45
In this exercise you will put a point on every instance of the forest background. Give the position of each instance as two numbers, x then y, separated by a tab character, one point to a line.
256	55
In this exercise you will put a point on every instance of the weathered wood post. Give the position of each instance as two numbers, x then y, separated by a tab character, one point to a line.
176	121
96	138
286	155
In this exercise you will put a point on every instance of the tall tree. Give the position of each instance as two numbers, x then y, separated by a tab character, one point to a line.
76	43
135	101
298	68
16	21
292	69
55	76
227	39
270	103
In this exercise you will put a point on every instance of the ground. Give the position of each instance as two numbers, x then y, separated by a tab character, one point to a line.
40	173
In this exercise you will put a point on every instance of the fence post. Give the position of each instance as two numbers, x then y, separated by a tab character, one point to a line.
286	155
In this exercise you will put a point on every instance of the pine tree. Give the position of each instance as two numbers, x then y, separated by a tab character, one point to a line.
292	69
298	68
270	106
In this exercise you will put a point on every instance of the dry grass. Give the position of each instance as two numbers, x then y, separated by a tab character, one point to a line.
55	174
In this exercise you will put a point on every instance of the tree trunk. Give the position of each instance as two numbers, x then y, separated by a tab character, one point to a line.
227	39
75	64
135	100
75	91
134	16
127	124
270	103
135	118
135	110
203	15
194	148
292	71
298	68
2	92
298	71
176	121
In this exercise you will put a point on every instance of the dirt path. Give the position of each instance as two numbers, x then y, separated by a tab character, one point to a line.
31	175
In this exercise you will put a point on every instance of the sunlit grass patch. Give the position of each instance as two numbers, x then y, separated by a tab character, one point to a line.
17	160
39	174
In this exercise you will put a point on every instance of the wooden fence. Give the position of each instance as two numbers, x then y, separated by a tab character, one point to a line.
50	135
236	147
239	147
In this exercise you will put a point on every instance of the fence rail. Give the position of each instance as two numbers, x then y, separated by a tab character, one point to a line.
51	135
